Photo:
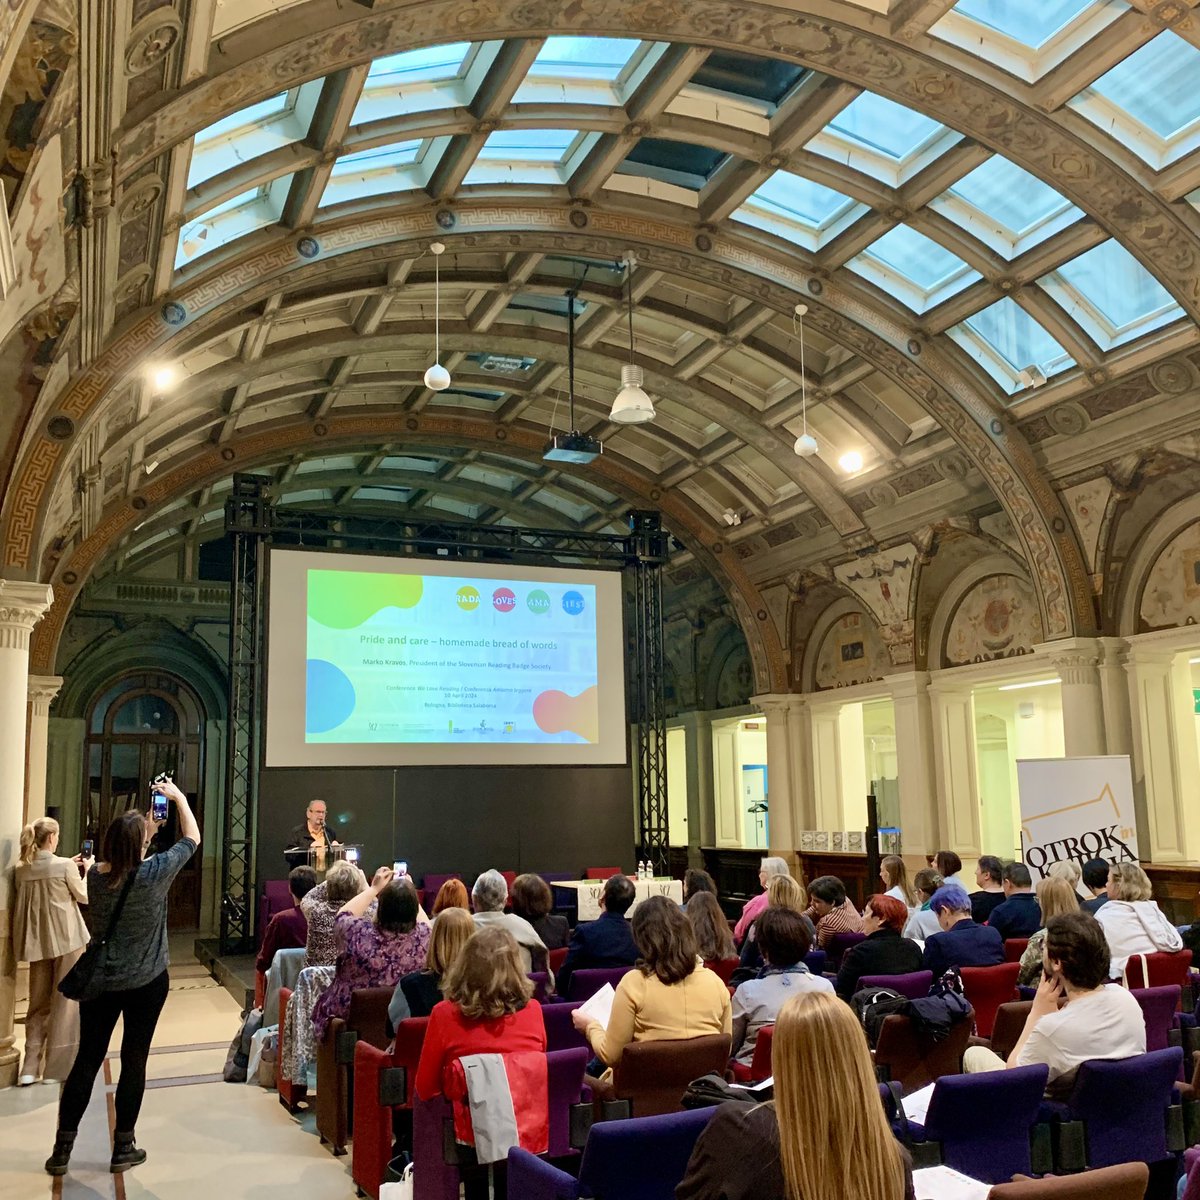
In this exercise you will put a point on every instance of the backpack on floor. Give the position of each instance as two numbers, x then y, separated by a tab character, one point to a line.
874	1005
238	1057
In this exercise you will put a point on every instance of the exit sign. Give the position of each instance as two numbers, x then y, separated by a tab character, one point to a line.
1196	701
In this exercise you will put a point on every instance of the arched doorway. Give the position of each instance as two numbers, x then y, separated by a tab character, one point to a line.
139	726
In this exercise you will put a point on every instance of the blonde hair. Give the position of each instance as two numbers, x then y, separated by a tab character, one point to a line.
487	980
896	874
1132	882
784	892
34	836
449	933
834	1139
1066	868
1056	896
343	881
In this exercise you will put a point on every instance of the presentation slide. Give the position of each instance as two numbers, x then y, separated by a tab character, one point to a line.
385	661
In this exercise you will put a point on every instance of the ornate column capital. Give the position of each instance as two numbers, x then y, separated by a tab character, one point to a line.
779	703
1077	668
42	689
907	685
22	605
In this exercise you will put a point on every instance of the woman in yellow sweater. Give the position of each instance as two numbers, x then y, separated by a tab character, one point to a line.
669	993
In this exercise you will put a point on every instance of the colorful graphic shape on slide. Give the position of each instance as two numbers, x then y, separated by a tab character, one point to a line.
329	696
556	712
345	599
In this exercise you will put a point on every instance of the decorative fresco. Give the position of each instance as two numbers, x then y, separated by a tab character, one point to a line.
1172	593
997	618
851	652
1087	503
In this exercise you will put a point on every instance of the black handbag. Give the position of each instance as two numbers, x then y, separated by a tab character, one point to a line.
85	980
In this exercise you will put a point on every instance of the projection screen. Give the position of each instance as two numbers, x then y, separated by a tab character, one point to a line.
376	661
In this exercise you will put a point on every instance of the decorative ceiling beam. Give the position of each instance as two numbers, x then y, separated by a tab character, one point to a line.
1096	56
911	18
482	315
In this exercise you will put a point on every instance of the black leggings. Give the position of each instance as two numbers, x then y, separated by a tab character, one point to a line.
97	1019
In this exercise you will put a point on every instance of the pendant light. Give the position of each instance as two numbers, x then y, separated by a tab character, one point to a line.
806	444
632	406
437	378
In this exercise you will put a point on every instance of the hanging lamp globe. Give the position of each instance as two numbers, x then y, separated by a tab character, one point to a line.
437	378
806	445
632	406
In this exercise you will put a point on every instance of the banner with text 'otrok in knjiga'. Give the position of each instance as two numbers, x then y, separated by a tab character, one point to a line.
1077	808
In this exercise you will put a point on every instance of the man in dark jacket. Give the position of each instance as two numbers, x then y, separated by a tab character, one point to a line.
605	942
1095	879
962	942
1019	916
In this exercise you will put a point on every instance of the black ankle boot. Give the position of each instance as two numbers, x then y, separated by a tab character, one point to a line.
56	1164
125	1154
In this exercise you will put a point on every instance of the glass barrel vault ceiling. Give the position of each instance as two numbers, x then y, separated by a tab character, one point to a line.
1149	100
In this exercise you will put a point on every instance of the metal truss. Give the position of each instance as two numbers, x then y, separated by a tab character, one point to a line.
252	522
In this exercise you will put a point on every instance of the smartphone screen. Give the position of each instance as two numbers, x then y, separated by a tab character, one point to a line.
158	806
399	867
87	848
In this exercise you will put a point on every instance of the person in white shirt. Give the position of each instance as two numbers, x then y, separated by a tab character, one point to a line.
894	875
1098	1020
923	922
1132	922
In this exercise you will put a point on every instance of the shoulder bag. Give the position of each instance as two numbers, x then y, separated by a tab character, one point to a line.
85	980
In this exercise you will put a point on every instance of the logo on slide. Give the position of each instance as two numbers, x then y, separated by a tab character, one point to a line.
468	599
538	602
573	603
504	599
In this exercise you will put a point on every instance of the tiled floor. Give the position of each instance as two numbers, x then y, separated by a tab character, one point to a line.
206	1140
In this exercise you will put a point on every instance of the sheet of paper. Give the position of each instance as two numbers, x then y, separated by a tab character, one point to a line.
599	1006
755	1087
917	1105
943	1183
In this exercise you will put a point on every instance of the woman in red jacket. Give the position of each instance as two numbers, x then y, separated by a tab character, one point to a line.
487	1009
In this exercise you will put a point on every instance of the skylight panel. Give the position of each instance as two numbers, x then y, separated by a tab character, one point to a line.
428	64
264	110
1030	21
524	156
232	219
252	131
416	81
1006	207
584	57
801	199
1111	295
902	256
1149	101
1007	341
376	172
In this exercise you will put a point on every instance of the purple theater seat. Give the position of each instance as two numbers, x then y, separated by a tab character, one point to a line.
839	943
276	896
643	1158
1191	1166
541	985
587	982
983	1121
561	1034
914	985
1159	1005
433	884
814	960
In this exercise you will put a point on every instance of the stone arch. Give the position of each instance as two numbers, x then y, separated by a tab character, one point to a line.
846	647
997	586
1170	544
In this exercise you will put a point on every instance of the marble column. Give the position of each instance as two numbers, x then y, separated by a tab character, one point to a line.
956	767
21	606
701	814
781	789
916	763
42	690
1114	690
1077	662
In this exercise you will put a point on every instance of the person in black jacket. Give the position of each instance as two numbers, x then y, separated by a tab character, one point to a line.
605	942
1019	916
962	942
1095	879
533	900
989	875
884	952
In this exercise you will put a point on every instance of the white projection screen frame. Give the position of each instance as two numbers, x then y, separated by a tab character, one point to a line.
489	617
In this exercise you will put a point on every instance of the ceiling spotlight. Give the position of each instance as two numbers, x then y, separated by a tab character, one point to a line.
731	516
632	406
163	378
437	378
806	445
851	462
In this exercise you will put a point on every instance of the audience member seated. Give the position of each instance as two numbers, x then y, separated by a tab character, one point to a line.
1068	869
533	900
607	941
343	881
767	868
418	991
670	995
962	942
949	866
894	876
884	952
1055	895
825	1135
1095	879
488	897
714	942
989	879
1019	915
923	923
695	880
487	1009
830	909
452	894
373	952
1096	1022
1132	922
782	892
287	930
785	938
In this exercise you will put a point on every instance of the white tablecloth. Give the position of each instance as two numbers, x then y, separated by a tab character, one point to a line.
590	890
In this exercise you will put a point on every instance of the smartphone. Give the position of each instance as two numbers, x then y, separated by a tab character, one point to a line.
399	867
88	846
159	806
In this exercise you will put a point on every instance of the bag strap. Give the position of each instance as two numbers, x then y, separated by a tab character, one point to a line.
116	916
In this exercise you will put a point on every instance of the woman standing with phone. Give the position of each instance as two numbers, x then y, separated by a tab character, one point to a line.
49	934
127	972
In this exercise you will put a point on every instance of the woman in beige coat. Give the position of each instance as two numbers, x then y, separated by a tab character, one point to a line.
49	934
